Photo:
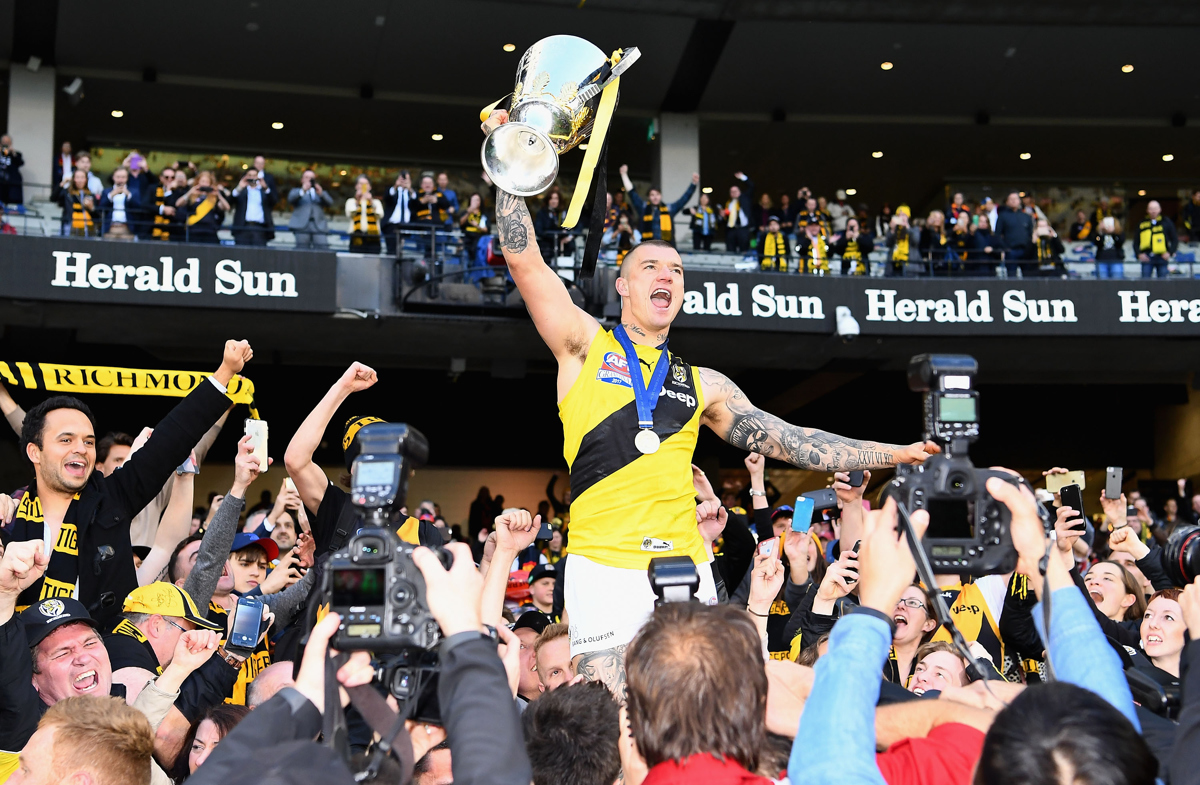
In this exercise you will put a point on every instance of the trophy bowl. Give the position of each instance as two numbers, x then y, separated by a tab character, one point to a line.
558	87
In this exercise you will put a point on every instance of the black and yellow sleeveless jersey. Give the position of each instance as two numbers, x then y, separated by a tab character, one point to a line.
626	507
973	618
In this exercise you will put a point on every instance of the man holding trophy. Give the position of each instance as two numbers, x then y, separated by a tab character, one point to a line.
631	409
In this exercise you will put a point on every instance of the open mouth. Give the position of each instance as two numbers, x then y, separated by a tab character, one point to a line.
76	468
898	620
86	681
918	690
1153	639
661	297
1096	596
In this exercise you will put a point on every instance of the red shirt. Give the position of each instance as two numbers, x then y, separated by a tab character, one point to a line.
947	756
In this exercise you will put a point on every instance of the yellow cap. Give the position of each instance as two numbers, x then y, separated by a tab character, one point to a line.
166	599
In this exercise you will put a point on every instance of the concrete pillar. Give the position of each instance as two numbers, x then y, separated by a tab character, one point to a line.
678	157
31	125
1176	448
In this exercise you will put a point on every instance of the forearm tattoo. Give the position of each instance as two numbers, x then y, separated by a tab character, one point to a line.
606	666
513	221
744	425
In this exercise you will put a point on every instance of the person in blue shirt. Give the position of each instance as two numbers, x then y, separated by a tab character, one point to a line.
1070	731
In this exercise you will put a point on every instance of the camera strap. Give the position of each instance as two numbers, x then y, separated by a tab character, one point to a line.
386	723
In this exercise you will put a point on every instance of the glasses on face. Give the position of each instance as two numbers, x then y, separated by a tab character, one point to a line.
909	602
173	624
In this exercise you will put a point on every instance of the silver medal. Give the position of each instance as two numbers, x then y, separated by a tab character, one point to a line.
646	441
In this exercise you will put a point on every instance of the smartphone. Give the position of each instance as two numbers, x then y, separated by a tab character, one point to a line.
188	467
1072	496
287	483
857	545
767	547
247	623
1112	482
856	479
803	514
1054	482
257	431
546	532
824	499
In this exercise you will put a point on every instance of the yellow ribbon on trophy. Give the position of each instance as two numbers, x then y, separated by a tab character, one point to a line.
57	377
604	113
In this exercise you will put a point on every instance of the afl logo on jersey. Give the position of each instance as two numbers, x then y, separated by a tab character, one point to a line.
614	370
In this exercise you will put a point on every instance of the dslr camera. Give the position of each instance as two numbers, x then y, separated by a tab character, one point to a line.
372	582
968	530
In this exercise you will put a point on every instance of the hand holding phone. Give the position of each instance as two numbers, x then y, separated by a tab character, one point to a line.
1055	482
802	514
257	431
1072	497
1112	482
246	624
768	547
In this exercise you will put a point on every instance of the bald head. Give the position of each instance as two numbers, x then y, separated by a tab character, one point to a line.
1153	209
653	249
269	681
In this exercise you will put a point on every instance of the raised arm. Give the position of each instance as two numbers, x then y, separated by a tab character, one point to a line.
566	329
172	529
310	479
736	420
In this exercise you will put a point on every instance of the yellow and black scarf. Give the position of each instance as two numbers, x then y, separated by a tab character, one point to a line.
62	573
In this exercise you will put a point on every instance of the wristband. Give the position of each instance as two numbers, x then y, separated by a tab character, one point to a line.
877	614
757	493
231	657
759	615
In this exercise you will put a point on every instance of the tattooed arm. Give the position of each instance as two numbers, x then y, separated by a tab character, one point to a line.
732	417
567	329
606	666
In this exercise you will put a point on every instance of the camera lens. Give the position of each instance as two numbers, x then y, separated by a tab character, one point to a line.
1182	555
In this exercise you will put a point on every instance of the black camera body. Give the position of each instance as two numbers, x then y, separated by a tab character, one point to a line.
372	582
969	531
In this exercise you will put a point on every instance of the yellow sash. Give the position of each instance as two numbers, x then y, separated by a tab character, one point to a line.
204	208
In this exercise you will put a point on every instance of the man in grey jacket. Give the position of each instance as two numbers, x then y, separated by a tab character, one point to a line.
308	222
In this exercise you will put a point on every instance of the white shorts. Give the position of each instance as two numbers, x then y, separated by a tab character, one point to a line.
606	606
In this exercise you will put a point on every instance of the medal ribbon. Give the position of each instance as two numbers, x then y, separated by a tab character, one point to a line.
645	396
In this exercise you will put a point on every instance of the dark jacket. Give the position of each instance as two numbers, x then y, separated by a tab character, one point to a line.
427	213
1168	230
241	201
133	215
107	505
392	198
648	220
1016	227
477	710
985	238
1109	247
10	167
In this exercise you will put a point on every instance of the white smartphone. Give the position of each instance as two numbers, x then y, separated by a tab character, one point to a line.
257	431
287	483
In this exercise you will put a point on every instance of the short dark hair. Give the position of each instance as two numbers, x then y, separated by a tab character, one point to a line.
35	418
107	441
423	765
1060	731
681	669
644	244
173	571
571	735
225	716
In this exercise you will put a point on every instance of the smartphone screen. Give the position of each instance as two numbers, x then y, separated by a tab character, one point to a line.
257	431
1112	483
803	514
247	619
1072	497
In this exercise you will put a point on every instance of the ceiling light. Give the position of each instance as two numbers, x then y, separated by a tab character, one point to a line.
1142	192
510	47
886	65
1021	194
851	191
436	137
245	166
877	154
277	126
1026	156
1127	69
117	113
706	189
1168	157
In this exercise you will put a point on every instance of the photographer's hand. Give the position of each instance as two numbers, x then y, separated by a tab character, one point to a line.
310	682
454	595
885	563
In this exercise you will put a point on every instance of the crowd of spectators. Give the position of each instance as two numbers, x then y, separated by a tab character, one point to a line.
809	234
820	663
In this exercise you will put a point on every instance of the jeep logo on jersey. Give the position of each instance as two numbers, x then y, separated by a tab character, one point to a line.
614	369
684	398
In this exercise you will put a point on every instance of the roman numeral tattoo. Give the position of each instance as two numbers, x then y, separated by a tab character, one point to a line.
744	425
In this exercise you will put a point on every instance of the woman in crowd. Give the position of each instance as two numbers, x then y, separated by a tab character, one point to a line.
961	243
204	735
79	207
915	626
364	212
989	247
204	208
1162	632
547	227
1116	593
